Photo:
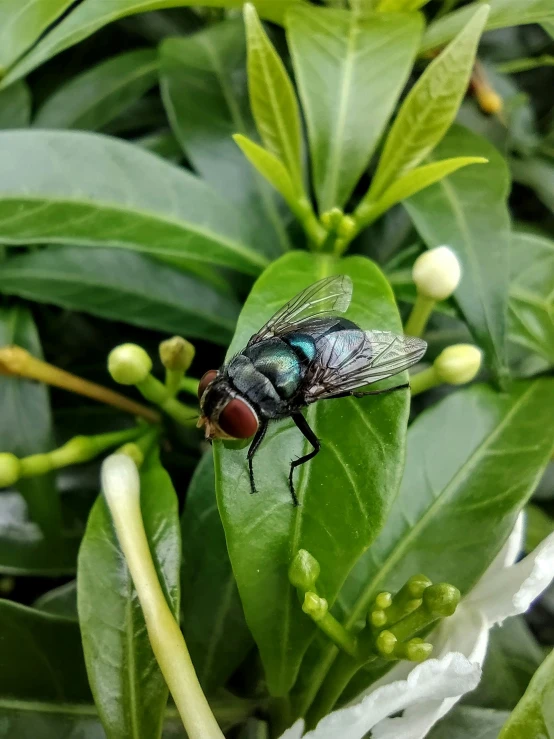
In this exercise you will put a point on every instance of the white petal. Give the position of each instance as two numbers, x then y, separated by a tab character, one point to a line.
295	731
466	632
510	551
449	676
512	590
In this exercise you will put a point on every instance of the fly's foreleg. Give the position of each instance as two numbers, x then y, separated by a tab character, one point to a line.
256	441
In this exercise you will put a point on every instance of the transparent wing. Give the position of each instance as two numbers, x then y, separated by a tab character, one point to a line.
347	361
323	298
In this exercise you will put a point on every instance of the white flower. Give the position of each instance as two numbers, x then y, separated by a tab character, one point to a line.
428	691
458	364
437	273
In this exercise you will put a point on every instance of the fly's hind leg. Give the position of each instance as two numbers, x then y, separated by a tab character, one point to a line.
304	427
256	441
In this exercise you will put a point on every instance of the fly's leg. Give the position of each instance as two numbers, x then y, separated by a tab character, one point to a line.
354	394
304	427
256	441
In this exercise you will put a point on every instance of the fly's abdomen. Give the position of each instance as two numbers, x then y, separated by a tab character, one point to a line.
279	363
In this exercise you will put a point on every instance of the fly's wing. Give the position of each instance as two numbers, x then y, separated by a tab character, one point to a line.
348	360
324	298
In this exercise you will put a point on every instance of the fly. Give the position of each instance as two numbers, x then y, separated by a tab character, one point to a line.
304	353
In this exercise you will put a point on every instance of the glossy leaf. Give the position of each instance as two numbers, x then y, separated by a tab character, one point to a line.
33	720
15	106
533	716
42	658
61	601
358	470
538	525
472	462
503	13
469	212
95	97
412	182
90	15
531	308
21	25
205	93
268	165
272	98
350	72
121	286
465	721
213	620
129	690
430	106
538	174
131	199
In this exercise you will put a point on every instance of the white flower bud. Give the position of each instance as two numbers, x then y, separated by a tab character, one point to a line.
458	364
120	481
129	364
437	273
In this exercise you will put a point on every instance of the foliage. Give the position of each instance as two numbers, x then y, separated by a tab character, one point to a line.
170	168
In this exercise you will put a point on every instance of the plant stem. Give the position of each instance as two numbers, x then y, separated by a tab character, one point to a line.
20	363
332	688
313	228
168	644
189	385
155	391
424	380
421	312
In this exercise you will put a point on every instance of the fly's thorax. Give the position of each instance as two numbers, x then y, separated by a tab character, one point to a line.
253	385
225	412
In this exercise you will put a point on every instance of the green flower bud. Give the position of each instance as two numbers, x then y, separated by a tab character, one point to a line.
332	218
129	364
437	273
378	618
417	584
177	353
346	227
383	600
386	643
441	599
315	606
458	364
10	468
132	450
304	570
416	650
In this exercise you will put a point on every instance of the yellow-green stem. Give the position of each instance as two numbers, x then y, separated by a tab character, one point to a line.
155	391
173	380
421	312
164	633
189	385
424	380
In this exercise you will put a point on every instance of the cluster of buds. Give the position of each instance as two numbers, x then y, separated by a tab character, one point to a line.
393	622
340	229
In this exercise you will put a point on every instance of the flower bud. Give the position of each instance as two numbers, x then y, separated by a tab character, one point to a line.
458	364
129	364
133	451
120	480
10	468
177	354
304	570
437	273
346	227
332	218
489	101
314	606
441	599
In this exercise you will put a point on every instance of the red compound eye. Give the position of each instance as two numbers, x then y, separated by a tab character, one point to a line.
205	381
238	420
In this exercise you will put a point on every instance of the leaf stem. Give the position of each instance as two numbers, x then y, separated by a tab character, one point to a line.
16	361
120	482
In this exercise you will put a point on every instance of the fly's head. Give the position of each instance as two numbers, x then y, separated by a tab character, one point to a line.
224	413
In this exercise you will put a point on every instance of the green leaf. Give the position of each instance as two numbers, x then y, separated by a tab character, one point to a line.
399	6
430	107
410	183
538	525
533	717
269	166
163	143
350	72
465	722
504	13
90	15
472	462
61	601
97	96
537	173
129	690
129	199
15	106
469	212
21	25
548	26
357	471
206	97
213	620
42	658
49	721
513	656
531	307
272	99
122	286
